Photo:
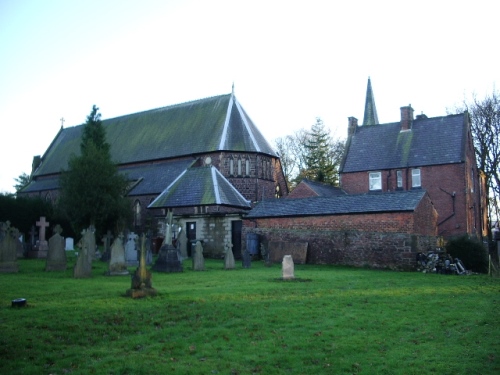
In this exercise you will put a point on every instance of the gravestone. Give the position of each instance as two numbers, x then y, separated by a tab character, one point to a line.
69	244
19	244
117	265
56	256
107	241
278	249
228	256
287	268
246	259
141	279
32	240
41	246
198	260
169	259
131	254
8	248
83	266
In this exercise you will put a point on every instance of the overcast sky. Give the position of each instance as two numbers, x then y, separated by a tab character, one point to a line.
290	61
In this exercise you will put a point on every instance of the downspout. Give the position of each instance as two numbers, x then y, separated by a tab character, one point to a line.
452	195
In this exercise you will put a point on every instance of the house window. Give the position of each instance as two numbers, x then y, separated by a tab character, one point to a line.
415	178
375	180
399	176
239	166
231	167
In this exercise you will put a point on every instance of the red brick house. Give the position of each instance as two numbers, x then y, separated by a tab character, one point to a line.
206	160
417	153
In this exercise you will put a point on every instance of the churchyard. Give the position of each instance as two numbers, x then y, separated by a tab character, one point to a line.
324	320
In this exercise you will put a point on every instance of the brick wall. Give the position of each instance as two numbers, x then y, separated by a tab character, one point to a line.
384	240
446	186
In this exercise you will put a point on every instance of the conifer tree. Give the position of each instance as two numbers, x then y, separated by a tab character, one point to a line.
92	190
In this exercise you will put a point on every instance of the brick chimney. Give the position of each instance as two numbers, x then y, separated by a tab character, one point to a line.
352	125
406	117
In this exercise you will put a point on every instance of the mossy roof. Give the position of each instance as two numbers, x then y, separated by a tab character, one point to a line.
431	141
206	125
405	201
200	186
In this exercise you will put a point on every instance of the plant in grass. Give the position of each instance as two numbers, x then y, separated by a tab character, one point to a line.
470	251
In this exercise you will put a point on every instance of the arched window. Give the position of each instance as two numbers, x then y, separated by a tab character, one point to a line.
239	166
137	213
247	167
231	166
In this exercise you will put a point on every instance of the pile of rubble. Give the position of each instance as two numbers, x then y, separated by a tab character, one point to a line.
440	262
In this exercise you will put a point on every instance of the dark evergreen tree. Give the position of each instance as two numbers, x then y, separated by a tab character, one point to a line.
92	190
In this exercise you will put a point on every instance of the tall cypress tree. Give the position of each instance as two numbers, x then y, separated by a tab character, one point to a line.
92	190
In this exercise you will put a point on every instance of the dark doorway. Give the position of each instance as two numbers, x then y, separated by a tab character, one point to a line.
236	238
191	236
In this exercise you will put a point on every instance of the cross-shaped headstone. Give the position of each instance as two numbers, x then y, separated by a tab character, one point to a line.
42	224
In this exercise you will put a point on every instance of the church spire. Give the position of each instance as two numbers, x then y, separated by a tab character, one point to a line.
370	117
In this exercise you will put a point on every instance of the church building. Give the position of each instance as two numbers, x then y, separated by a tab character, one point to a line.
205	160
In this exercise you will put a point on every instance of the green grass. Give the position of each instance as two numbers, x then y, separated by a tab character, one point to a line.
247	321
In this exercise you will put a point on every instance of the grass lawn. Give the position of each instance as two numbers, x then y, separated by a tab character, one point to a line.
330	320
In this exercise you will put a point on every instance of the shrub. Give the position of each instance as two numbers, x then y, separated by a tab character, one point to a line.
471	252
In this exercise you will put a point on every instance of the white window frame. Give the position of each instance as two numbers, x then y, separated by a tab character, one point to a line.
375	181
416	178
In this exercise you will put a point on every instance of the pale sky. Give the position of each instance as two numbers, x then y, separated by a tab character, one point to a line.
290	61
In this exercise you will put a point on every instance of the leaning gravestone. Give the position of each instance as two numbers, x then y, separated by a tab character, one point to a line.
8	248
83	266
117	264
228	256
198	260
287	268
56	256
131	255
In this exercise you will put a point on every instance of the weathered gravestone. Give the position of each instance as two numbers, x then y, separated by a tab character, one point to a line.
20	247
287	268
278	249
131	254
56	256
246	259
198	260
169	258
69	244
107	241
228	256
83	266
41	246
141	279
117	263
8	248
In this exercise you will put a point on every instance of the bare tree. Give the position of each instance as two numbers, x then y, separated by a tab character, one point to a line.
485	128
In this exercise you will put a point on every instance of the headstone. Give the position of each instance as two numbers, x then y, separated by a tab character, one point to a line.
89	238
41	246
56	256
141	279
83	266
117	264
228	256
131	254
198	260
8	248
70	244
107	241
287	270
168	257
278	249
246	259
19	244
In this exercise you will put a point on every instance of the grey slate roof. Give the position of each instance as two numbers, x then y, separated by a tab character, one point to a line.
431	141
321	189
337	205
200	186
206	125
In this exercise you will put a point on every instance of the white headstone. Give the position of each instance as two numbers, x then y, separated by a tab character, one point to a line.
131	250
70	243
288	268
